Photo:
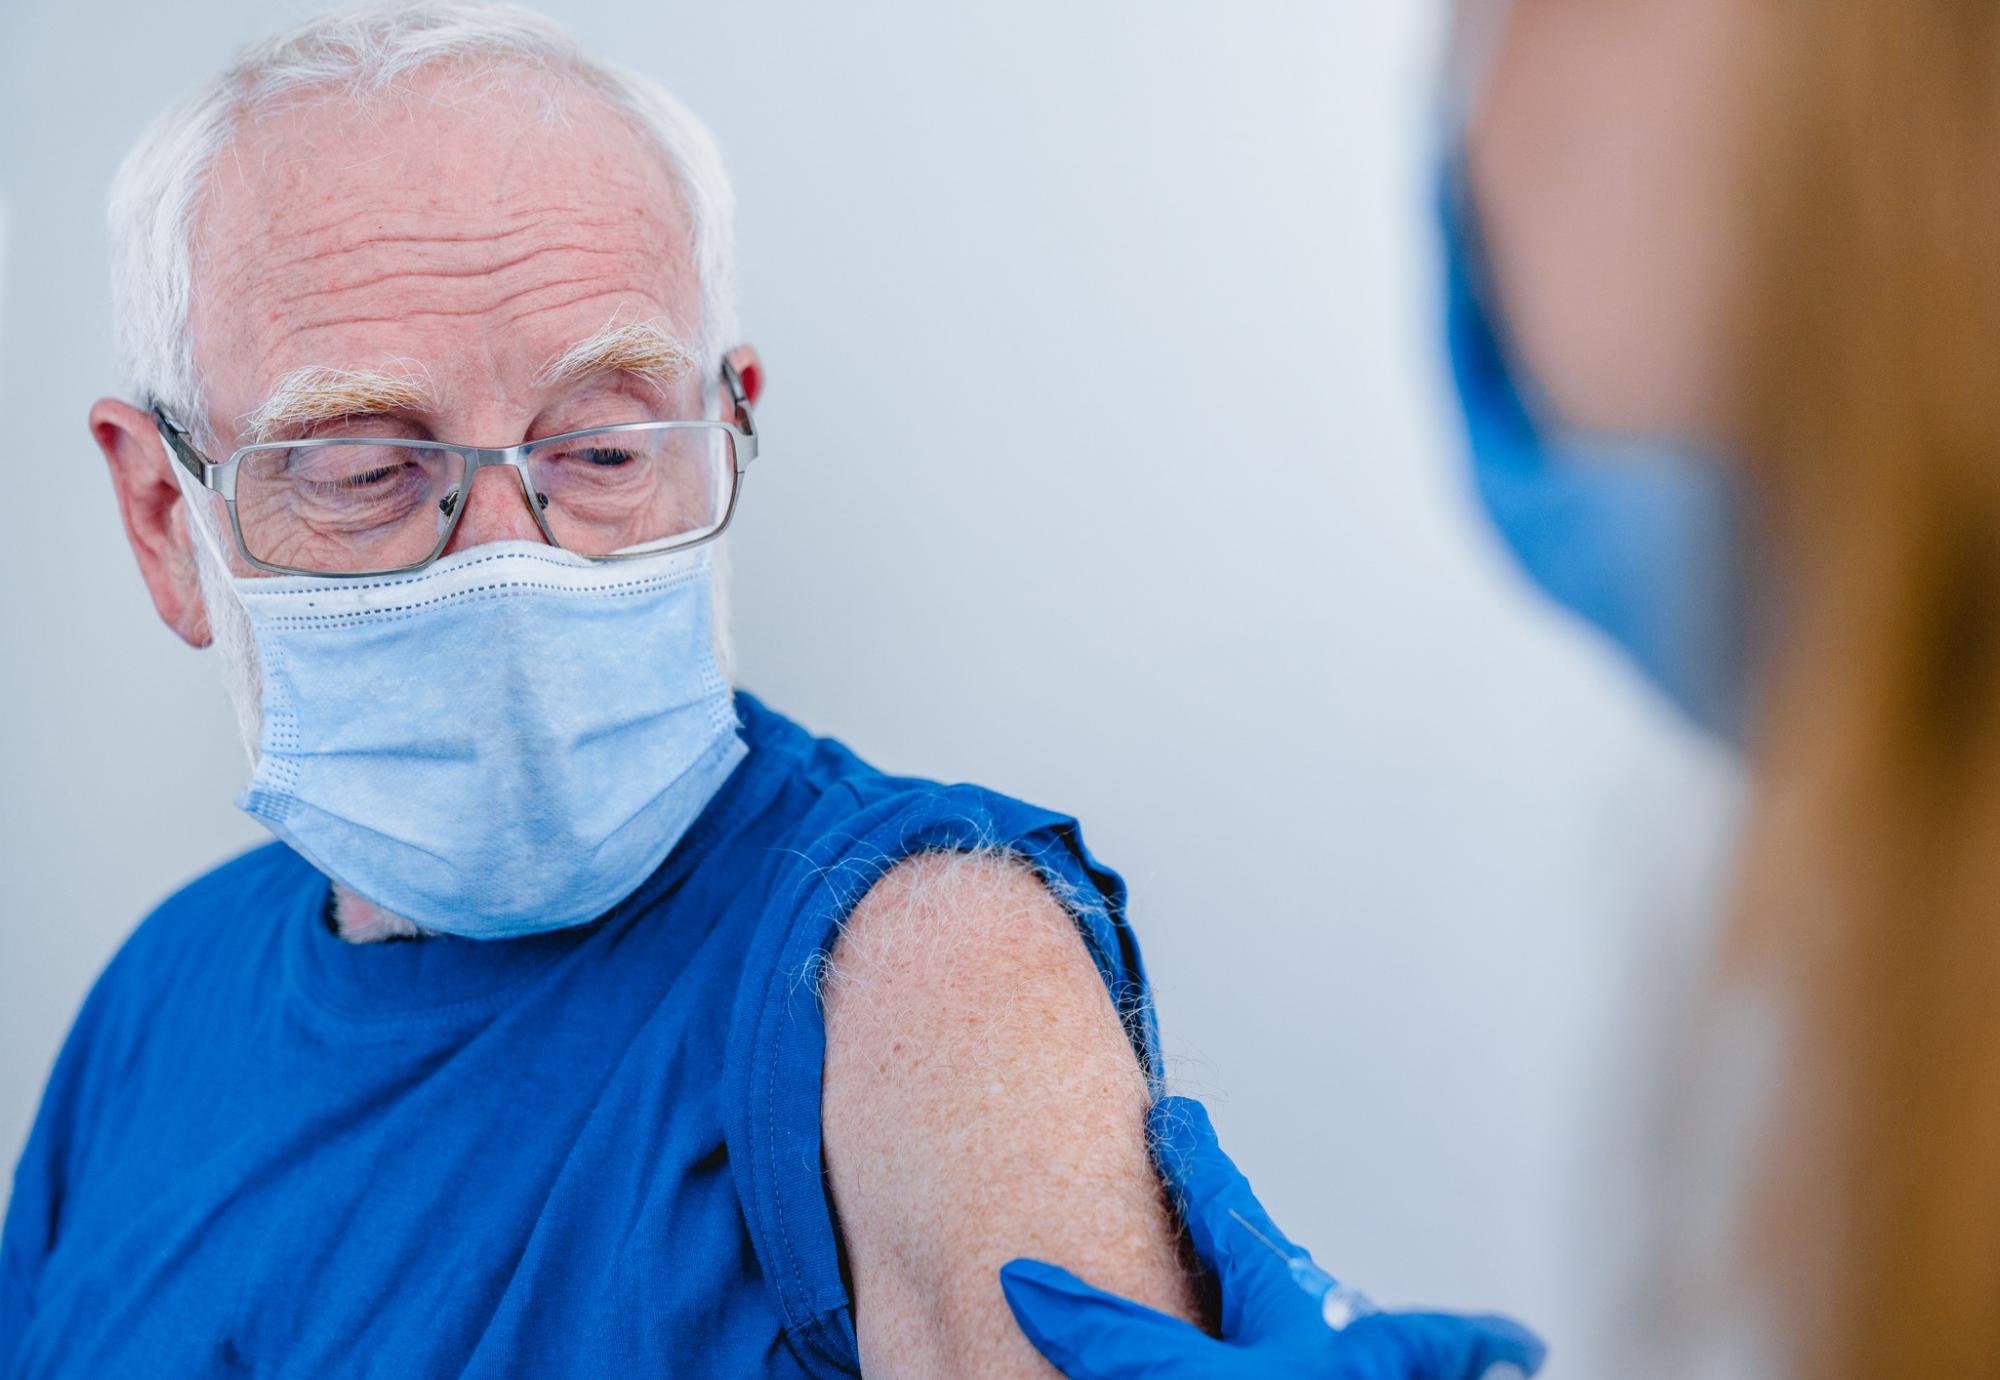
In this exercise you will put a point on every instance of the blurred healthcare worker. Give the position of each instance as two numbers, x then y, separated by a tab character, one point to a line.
1724	315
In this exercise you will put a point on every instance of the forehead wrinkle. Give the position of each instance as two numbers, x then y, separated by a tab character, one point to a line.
518	317
444	235
463	313
291	294
427	273
423	203
529	219
317	199
266	233
322	212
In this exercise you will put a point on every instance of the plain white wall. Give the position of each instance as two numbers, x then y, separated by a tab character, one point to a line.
1109	462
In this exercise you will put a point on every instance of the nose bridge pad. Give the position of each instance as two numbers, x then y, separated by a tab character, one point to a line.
537	502
459	496
448	506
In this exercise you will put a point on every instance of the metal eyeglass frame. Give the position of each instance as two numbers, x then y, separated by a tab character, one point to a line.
220	477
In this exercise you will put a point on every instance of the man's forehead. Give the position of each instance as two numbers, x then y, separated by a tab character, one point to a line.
456	229
433	137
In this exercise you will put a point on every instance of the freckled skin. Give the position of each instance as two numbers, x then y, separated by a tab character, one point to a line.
981	1102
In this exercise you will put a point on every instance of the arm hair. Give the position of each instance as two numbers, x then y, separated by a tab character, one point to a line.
981	1101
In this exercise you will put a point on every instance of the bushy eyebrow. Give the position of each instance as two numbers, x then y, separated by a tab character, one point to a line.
317	393
648	350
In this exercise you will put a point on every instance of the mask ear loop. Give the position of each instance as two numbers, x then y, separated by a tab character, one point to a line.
243	673
199	522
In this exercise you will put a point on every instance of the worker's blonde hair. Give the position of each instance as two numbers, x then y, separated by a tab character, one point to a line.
1872	900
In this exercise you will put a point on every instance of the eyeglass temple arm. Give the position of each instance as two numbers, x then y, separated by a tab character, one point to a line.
184	451
733	381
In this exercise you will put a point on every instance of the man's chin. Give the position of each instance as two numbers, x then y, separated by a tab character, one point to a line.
363	922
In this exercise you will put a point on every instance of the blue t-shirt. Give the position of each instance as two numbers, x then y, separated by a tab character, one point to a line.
589	1153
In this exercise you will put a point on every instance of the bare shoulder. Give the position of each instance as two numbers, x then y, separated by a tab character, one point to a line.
981	1101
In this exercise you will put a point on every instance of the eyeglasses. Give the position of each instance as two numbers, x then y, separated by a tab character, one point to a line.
351	505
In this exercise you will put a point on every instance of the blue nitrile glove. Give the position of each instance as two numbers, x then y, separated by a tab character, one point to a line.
1282	1316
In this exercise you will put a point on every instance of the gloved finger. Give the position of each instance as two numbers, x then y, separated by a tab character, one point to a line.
1222	1214
1446	1346
1088	1334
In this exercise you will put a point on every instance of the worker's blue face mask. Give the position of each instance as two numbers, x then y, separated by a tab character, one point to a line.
1640	539
508	741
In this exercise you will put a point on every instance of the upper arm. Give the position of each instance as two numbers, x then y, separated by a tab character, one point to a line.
981	1101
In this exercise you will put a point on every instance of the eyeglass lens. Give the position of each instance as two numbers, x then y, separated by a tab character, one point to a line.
349	507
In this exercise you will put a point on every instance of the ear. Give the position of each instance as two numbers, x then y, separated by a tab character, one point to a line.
750	369
155	514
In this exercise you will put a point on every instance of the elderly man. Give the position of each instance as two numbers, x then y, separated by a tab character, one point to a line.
509	1060
590	1018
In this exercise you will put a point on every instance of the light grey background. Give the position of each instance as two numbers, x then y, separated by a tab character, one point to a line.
1108	461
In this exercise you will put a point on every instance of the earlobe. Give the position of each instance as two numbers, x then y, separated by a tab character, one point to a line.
750	368
155	514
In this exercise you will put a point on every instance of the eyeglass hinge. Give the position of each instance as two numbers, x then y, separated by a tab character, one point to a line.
182	448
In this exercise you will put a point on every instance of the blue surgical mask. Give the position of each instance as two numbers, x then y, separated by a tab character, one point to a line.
508	741
1638	538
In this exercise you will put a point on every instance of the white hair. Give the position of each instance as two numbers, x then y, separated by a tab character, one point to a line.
157	194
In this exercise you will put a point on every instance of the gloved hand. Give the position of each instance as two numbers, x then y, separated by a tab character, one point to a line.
1282	1316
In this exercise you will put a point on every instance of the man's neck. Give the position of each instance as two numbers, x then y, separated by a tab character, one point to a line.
363	922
